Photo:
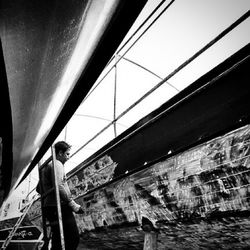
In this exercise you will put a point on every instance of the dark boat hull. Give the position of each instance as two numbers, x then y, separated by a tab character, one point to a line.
52	53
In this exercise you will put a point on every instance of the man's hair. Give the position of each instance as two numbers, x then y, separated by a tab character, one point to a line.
61	146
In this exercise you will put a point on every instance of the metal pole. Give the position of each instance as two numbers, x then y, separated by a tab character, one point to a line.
59	211
115	85
150	241
150	236
45	232
65	133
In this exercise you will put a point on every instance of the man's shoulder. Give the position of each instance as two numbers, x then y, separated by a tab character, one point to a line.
49	165
47	168
58	163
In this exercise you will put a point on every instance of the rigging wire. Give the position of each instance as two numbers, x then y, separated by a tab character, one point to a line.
100	118
137	30
184	64
115	86
150	25
151	72
142	67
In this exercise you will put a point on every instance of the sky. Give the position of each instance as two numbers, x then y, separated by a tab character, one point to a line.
183	29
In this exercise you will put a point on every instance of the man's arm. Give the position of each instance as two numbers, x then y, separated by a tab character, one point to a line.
64	190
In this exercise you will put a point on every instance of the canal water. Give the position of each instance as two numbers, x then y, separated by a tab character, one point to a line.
227	233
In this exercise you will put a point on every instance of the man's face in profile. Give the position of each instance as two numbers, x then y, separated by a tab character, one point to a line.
63	156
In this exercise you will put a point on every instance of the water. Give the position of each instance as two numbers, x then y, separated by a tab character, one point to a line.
227	233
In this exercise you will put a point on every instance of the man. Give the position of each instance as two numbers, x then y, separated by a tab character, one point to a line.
68	205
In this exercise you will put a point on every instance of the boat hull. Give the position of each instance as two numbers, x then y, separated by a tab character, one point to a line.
52	53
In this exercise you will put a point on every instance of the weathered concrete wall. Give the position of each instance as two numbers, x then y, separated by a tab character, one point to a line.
210	180
198	199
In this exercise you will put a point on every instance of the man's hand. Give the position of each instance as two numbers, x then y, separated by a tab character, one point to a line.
80	211
75	207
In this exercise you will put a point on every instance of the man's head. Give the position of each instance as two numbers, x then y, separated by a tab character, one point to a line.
62	149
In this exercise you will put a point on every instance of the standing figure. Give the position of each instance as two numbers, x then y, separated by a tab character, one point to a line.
68	205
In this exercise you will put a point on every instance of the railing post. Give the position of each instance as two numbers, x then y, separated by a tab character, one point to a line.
45	232
150	237
59	212
150	241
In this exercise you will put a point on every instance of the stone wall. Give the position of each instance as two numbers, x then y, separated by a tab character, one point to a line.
210	180
197	199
